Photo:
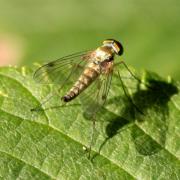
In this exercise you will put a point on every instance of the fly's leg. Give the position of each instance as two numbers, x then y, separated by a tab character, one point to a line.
92	136
55	107
93	100
127	95
93	124
133	75
39	107
94	119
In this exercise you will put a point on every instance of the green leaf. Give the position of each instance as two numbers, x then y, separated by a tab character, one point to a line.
127	145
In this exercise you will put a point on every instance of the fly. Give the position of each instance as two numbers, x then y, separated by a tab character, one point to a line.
87	75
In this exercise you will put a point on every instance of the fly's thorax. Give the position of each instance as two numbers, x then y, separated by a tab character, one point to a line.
104	53
107	67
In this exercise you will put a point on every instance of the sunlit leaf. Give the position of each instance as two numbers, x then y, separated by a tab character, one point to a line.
51	144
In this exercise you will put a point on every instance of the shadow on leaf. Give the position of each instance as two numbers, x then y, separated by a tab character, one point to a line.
153	102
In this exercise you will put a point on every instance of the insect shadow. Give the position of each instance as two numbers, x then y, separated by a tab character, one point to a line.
153	102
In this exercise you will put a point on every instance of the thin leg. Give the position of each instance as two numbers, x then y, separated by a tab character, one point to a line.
92	136
127	95
132	74
38	108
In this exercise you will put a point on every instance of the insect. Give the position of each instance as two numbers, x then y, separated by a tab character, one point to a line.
86	75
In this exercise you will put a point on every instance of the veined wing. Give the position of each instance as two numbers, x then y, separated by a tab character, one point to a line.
58	71
96	95
64	72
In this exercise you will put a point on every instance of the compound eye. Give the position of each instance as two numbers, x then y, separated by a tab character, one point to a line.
119	48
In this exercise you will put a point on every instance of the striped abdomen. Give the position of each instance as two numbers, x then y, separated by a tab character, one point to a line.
87	77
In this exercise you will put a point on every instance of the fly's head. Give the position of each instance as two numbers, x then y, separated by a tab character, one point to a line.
115	46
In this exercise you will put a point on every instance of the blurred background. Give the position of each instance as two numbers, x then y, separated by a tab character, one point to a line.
43	30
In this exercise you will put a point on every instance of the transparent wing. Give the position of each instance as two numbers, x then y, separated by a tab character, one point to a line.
96	95
64	72
57	72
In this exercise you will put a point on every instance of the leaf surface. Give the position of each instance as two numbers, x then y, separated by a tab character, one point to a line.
127	145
